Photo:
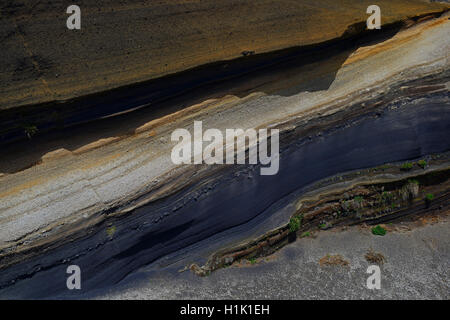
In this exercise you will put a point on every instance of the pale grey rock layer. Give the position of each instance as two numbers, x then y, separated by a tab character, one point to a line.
417	267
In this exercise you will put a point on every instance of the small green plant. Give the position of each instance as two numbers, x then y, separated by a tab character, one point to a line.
428	199
252	260
406	166
422	163
110	231
305	234
387	197
358	199
379	231
30	130
413	181
322	226
295	223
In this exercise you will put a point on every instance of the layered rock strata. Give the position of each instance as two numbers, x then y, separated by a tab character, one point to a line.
107	196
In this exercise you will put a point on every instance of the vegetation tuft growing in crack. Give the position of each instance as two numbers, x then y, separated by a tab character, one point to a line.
295	223
379	231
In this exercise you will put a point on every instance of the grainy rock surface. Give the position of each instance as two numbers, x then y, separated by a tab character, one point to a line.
417	264
123	42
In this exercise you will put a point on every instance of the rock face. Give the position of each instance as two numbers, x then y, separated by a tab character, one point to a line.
123	43
104	194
